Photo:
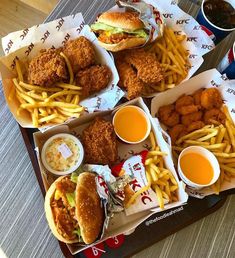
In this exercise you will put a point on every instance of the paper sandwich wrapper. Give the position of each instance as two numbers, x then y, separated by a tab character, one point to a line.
207	79
120	222
48	35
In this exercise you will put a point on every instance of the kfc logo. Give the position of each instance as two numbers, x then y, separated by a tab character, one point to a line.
204	46
60	23
184	21
167	15
66	38
45	36
192	56
137	167
30	48
9	45
24	33
192	39
79	29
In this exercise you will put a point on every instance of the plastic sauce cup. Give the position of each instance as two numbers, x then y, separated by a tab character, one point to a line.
131	119
206	154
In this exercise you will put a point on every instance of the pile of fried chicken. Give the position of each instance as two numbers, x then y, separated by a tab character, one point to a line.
49	67
137	69
192	112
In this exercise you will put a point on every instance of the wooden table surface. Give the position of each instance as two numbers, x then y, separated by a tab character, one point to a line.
23	229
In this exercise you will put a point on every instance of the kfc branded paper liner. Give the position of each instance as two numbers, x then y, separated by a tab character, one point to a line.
120	222
208	79
197	42
58	32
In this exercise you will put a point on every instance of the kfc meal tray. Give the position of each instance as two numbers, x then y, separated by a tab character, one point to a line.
156	227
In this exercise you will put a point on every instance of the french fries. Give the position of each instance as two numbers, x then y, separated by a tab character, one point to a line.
159	178
220	140
173	58
51	105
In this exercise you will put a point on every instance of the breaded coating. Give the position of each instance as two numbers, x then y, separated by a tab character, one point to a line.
100	143
211	98
214	114
195	126
176	132
129	79
197	96
93	79
192	117
47	68
80	53
146	64
185	105
168	116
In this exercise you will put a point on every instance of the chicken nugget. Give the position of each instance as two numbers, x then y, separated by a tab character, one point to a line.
80	53
168	116
146	64
185	105
214	114
192	117
195	126
100	143
197	96
47	68
176	132
211	98
93	79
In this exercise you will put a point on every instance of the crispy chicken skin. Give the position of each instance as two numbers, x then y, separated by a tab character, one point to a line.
168	115
47	68
80	53
129	80
93	79
146	64
211	98
100	143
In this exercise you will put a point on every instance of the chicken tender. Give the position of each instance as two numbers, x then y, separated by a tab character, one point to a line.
129	80
100	143
214	114
146	64
93	79
190	118
185	105
168	116
80	53
47	68
195	126
211	98
176	132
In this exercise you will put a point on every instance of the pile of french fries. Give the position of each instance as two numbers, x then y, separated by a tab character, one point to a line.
220	140
47	105
173	58
159	178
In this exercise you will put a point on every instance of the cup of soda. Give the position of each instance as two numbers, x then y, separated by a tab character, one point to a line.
227	64
217	18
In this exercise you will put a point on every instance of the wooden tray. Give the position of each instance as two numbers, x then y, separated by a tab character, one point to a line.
159	225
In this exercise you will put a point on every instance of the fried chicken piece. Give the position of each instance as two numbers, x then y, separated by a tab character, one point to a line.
100	143
47	68
192	117
214	114
197	96
129	80
185	105
168	116
146	64
195	126
211	98
177	132
93	79
80	53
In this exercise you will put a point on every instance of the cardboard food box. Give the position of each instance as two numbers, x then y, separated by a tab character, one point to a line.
26	44
207	79
120	222
197	42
